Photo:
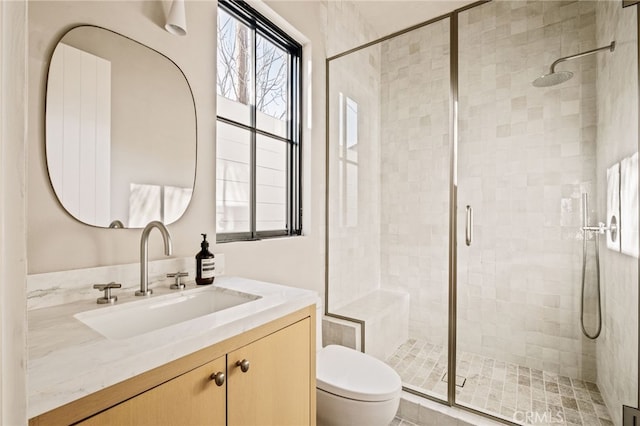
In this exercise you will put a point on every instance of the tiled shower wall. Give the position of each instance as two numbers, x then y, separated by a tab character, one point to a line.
346	27
354	207
354	245
415	175
617	346
525	156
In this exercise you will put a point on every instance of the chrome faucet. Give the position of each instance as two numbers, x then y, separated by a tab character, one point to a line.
144	254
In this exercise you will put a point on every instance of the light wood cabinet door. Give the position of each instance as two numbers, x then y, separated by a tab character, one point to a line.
276	388
190	399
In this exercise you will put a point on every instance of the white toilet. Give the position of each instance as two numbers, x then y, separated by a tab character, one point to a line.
353	388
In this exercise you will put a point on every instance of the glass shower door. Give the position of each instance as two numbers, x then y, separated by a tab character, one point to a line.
388	202
526	156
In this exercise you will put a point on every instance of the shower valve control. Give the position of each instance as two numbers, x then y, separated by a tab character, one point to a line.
602	228
612	228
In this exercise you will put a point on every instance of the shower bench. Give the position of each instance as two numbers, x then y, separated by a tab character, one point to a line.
385	315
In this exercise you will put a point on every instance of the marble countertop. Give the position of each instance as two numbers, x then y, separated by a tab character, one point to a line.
68	360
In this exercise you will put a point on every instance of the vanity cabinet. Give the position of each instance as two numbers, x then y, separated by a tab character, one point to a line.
190	399
275	385
275	388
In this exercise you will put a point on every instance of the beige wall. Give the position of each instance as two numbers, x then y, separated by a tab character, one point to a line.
57	242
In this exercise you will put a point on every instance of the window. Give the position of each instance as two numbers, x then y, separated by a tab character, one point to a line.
258	127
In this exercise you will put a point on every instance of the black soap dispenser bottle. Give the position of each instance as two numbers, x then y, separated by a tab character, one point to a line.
205	265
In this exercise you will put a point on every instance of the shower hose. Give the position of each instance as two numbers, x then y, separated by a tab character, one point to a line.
584	268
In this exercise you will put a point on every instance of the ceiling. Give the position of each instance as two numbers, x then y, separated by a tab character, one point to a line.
390	16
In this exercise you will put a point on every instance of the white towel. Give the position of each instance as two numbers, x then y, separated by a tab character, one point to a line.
613	204
629	241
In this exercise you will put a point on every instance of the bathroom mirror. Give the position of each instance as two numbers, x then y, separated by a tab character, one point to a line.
120	131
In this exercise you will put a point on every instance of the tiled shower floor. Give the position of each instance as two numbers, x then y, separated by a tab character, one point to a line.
501	388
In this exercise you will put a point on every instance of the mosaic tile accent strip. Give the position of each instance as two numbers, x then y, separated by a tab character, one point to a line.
514	392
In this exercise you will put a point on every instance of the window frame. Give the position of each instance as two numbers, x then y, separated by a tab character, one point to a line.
259	25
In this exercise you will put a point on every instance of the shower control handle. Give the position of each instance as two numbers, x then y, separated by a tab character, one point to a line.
612	228
469	226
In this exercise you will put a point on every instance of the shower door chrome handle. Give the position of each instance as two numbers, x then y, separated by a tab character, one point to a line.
468	234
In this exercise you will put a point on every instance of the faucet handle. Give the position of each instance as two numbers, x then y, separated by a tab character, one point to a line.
178	285
107	298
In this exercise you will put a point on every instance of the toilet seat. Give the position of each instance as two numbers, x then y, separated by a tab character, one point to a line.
351	374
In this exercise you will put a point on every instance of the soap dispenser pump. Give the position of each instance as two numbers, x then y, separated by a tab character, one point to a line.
205	264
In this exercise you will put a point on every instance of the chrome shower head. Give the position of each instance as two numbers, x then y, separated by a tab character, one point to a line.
556	77
552	79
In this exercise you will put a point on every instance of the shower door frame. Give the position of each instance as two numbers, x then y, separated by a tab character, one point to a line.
636	3
452	251
453	200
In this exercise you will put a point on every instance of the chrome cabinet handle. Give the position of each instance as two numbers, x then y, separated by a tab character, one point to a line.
244	365
469	227
218	378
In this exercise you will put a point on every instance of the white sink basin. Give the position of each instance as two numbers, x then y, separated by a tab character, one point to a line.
139	317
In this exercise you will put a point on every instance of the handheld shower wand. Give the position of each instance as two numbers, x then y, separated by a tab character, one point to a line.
600	229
